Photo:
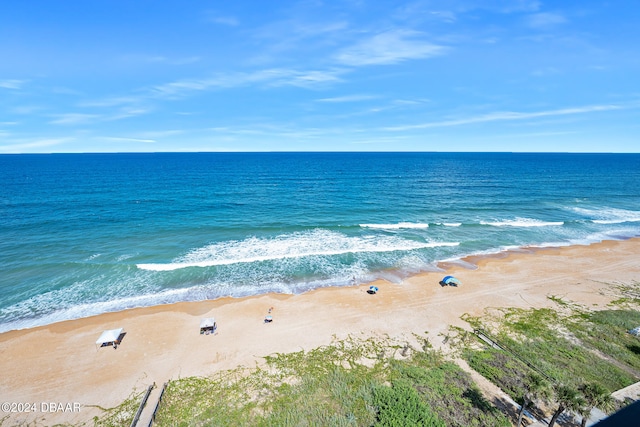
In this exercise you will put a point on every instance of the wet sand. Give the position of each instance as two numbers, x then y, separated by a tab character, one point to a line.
60	363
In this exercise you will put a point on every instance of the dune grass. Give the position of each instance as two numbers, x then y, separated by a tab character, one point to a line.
121	415
607	331
571	346
349	383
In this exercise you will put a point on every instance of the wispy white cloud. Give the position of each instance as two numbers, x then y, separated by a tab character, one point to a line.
405	102
545	71
160	59
146	138
26	109
276	131
125	113
114	101
123	139
450	11
291	39
289	33
545	20
390	47
445	15
221	19
267	77
184	60
307	79
510	6
347	98
27	145
507	116
159	134
84	118
62	90
122	107
500	6
226	20
73	118
533	134
12	84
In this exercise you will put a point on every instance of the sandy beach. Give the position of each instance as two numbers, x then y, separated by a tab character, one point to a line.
61	364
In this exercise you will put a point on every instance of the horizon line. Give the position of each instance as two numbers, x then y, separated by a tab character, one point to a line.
320	151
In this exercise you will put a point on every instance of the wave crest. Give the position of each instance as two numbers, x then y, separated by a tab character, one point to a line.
398	226
522	222
294	245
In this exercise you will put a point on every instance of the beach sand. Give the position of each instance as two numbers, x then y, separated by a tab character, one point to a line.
60	363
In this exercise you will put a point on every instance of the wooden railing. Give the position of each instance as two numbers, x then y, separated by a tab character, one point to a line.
142	404
153	416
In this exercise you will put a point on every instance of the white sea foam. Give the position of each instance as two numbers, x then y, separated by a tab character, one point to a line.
588	239
398	226
522	222
441	244
46	302
64	304
480	253
76	311
315	243
608	215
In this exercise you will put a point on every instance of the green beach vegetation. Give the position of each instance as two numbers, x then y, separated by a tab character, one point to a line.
563	358
354	382
550	360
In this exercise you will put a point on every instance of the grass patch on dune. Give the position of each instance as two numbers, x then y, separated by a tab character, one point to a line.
545	338
349	383
607	332
571	346
118	416
121	415
628	296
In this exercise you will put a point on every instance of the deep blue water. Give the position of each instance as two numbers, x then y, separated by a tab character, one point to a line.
82	234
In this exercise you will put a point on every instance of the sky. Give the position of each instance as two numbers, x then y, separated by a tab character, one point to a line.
311	75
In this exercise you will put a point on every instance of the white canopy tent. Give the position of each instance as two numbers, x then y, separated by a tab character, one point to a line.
207	324
109	337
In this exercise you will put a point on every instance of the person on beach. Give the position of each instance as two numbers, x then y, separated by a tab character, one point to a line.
268	318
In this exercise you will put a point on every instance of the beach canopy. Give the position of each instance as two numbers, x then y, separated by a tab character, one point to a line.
372	289
207	324
450	281
110	336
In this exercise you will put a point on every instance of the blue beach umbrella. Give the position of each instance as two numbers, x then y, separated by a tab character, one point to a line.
372	290
450	281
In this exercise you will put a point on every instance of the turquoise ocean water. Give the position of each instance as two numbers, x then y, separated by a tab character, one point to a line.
82	234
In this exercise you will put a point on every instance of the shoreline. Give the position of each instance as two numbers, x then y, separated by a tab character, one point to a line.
466	262
60	363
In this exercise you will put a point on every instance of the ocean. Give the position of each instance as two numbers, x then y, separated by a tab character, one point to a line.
83	234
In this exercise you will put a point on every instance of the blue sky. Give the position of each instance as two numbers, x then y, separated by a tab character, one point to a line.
341	75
